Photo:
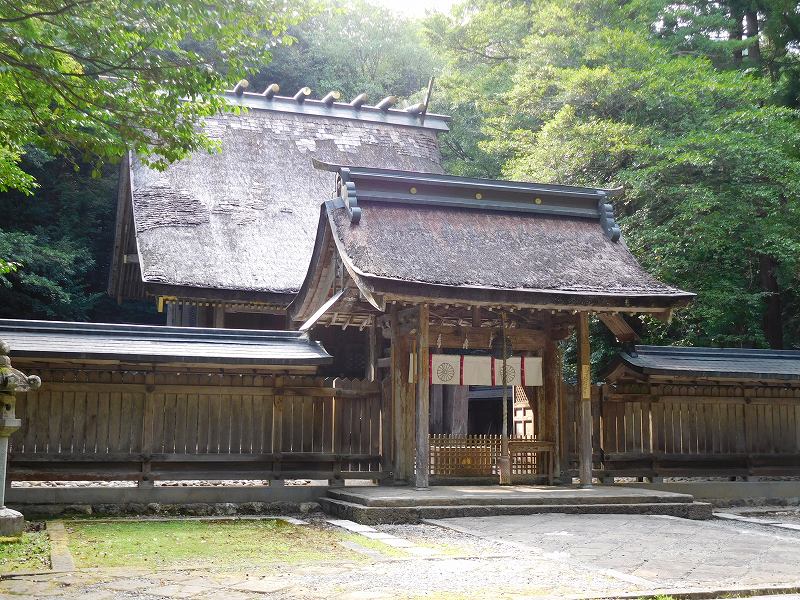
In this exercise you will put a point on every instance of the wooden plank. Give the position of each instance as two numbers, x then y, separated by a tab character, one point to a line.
90	441
180	422
214	425
289	405
267	425
317	424
192	422
327	424
43	416
247	423
225	423
103	422
203	414
277	424
66	423
235	408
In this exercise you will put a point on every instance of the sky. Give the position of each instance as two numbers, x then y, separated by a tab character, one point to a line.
416	8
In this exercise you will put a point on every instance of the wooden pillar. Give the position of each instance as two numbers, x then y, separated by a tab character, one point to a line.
551	376
402	403
423	399
584	408
219	316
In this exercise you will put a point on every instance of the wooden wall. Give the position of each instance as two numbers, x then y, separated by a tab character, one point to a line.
95	424
691	428
685	428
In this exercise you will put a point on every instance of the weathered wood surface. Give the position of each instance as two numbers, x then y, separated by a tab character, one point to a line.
190	426
477	456
704	429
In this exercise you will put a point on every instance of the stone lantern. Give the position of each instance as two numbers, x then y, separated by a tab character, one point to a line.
11	381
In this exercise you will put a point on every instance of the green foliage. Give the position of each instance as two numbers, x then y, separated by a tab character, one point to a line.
59	244
352	47
594	94
92	78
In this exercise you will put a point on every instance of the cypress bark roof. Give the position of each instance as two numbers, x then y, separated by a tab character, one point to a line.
244	218
423	235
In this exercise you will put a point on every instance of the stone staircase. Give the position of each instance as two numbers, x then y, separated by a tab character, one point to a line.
373	505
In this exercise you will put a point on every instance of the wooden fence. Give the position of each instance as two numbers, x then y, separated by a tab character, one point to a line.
709	430
140	426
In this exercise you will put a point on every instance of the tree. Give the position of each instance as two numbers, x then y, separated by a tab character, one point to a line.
353	47
93	78
707	154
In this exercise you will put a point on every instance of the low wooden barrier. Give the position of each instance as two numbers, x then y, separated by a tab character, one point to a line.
477	455
92	424
651	430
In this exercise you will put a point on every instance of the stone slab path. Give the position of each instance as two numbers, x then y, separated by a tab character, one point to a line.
666	551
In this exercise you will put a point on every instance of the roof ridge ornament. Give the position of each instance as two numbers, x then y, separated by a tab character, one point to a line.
607	219
347	192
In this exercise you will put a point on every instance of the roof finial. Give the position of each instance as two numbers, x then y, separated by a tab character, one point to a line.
241	87
272	89
302	94
331	97
358	101
386	103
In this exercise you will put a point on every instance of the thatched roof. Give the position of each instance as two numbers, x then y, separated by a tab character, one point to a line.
244	219
706	363
415	235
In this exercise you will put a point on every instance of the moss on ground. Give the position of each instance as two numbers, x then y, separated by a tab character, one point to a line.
30	552
223	544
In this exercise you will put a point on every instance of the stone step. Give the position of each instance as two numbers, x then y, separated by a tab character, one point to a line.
372	515
387	497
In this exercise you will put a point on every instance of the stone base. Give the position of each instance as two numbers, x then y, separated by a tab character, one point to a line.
12	523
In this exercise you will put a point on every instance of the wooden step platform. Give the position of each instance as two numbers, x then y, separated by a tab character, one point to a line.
380	504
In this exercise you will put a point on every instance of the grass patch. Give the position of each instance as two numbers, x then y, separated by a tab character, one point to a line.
30	552
223	544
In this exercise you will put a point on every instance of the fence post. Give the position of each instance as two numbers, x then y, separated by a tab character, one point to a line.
147	430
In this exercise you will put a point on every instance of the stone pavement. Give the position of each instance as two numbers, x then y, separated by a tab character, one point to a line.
666	551
508	558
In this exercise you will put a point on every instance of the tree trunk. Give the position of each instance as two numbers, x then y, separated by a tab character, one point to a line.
736	32
753	51
773	313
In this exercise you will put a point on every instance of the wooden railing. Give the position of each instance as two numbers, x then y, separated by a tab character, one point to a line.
195	426
709	430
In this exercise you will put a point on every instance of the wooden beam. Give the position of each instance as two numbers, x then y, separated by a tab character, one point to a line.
584	398
423	399
619	327
522	340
